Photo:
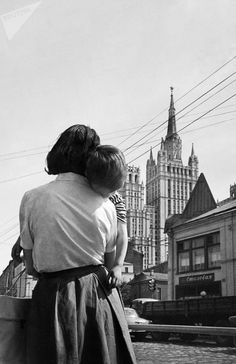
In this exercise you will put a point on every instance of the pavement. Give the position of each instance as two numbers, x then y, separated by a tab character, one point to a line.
150	352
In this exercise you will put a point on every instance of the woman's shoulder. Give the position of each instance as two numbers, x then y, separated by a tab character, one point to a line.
37	191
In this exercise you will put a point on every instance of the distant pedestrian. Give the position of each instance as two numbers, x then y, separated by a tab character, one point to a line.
66	230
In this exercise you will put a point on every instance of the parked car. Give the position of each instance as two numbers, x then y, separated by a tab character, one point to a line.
137	303
132	318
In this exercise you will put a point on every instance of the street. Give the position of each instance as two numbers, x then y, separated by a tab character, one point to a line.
175	352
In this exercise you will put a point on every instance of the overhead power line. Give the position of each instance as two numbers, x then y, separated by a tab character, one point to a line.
214	108
13	227
189	131
229	98
10	237
22	156
23	151
207	112
186	93
185	107
20	177
9	220
205	79
135	143
182	116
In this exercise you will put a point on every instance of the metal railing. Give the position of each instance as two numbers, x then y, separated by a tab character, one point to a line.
201	330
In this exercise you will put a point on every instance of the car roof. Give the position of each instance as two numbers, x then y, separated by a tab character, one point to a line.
144	299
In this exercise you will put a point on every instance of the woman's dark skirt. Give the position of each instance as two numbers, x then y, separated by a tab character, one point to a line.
75	319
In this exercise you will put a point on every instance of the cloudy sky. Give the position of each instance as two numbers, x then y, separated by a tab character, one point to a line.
110	64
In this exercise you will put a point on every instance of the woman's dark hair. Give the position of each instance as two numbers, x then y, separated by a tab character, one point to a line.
70	152
106	167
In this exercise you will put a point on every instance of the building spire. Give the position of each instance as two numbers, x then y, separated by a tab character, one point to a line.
151	156
171	121
192	153
193	159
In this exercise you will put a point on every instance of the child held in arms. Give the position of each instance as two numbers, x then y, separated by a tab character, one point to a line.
106	173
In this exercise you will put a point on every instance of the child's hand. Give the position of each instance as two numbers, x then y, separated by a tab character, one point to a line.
115	277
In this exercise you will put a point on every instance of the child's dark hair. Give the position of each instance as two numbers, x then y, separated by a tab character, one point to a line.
106	167
70	152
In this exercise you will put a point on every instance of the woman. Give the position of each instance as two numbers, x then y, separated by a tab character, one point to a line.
66	228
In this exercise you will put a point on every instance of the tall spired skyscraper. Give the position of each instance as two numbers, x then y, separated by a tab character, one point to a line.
168	182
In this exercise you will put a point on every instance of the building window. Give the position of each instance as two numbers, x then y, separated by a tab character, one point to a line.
213	250
213	256
169	207
200	253
183	262
169	188
198	259
126	270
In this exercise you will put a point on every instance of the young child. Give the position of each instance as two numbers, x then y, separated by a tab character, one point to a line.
106	173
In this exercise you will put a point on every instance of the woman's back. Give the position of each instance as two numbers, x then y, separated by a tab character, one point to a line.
68	227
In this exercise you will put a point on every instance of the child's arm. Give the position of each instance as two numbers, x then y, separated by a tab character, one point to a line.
115	275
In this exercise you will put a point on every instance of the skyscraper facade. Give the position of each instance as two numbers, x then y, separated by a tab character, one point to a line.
168	182
140	217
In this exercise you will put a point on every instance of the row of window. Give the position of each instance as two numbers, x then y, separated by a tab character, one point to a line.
181	171
135	179
176	170
176	207
200	253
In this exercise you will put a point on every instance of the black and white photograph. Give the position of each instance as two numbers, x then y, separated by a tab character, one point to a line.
118	181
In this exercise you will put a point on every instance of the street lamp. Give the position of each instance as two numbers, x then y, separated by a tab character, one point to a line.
203	294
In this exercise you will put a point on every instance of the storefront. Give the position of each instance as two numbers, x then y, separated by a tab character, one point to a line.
202	247
198	285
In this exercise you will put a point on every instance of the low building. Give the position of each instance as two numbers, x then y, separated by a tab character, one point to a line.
15	282
6	287
202	247
127	272
139	286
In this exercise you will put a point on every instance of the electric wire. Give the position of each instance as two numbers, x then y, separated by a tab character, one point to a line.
13	227
182	116
9	220
205	79
6	156
22	156
229	98
188	131
20	177
186	93
115	137
207	112
10	237
163	123
24	151
15	155
38	172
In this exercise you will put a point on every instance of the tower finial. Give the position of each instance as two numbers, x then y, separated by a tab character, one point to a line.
151	156
192	152
171	130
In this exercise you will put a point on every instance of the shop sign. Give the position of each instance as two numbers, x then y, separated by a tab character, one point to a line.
207	277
